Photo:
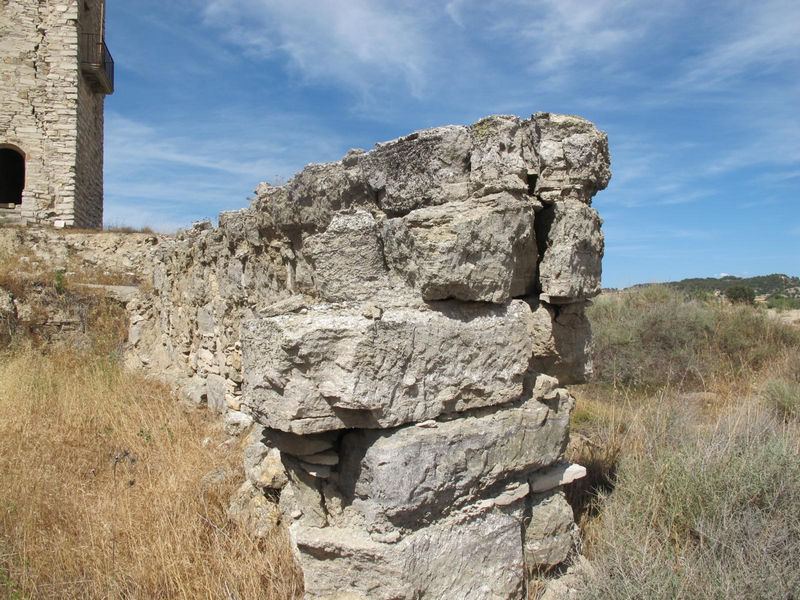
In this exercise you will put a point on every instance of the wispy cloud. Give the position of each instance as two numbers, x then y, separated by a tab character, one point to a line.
361	43
155	173
763	37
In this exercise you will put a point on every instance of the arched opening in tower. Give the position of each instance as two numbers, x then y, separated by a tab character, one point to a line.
12	177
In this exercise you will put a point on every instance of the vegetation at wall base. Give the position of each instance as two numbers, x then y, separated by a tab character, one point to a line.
102	487
694	457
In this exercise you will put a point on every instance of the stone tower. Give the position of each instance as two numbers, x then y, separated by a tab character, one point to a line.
55	71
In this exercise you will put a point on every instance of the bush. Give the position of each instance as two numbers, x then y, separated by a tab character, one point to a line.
654	336
741	293
779	303
700	514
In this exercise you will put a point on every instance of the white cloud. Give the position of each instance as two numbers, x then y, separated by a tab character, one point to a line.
453	9
559	34
361	43
156	173
762	37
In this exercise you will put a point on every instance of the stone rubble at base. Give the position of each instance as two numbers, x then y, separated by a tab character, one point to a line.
399	324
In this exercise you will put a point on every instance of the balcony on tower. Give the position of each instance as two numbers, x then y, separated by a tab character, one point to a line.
96	62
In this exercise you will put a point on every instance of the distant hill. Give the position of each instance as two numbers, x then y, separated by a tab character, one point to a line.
764	285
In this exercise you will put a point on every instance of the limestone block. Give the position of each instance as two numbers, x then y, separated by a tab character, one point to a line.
413	474
562	342
347	258
236	422
334	368
298	445
468	556
476	250
550	532
562	473
422	169
570	267
497	159
263	466
253	511
573	159
216	388
309	200
302	498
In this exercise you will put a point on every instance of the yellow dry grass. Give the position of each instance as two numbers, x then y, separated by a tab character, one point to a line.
101	493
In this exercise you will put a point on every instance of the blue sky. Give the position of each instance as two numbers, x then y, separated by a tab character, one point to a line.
700	100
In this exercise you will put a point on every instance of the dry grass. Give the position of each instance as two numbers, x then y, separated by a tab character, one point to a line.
101	491
693	487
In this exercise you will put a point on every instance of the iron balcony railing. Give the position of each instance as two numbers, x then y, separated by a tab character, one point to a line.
96	62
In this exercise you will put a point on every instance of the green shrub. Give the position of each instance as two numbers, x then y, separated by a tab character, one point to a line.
700	514
655	336
741	293
779	302
784	396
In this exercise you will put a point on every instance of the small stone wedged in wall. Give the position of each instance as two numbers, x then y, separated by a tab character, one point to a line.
399	325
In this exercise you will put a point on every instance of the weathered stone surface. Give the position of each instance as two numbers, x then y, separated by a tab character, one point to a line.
571	264
550	532
501	155
348	259
562	473
409	365
237	422
572	157
263	467
216	388
413	473
253	511
309	201
422	169
51	114
562	342
481	250
469	557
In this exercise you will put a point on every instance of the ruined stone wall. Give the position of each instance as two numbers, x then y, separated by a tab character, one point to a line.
48	111
399	325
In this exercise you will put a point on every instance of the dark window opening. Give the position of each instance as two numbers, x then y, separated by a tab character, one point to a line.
12	177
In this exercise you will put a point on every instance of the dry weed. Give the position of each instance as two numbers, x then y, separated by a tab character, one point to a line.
100	490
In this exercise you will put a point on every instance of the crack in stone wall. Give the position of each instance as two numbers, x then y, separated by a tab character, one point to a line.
399	325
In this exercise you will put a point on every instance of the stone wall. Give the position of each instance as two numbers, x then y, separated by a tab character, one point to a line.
49	112
399	325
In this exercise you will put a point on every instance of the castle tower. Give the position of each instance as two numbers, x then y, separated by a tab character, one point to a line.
55	71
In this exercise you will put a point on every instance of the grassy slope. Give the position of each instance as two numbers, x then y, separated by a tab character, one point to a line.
101	478
693	422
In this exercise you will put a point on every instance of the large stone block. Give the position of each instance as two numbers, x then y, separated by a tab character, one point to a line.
422	169
563	340
335	368
501	155
470	556
571	264
309	201
572	156
550	532
415	474
347	258
476	250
